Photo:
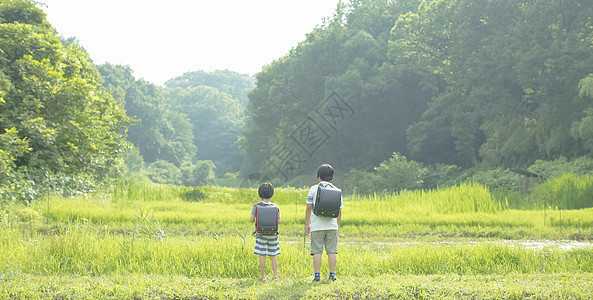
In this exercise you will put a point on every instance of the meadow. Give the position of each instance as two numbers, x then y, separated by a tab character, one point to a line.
167	242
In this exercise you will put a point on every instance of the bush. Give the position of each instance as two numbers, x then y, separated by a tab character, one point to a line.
162	171
398	174
442	176
28	186
497	179
557	168
390	176
199	174
360	182
195	195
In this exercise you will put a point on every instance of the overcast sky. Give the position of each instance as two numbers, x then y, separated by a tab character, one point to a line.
160	40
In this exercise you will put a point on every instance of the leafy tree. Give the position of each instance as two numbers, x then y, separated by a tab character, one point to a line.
583	129
159	132
497	179
398	173
232	83
391	176
216	120
343	58
22	11
556	168
164	172
199	174
11	147
505	73
52	99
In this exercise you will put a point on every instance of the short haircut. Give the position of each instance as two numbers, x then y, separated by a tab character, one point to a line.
265	190
325	172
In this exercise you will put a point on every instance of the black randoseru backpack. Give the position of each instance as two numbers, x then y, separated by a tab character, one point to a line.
266	219
328	200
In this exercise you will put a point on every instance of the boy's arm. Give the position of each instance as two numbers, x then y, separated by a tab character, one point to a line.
308	219
339	217
252	219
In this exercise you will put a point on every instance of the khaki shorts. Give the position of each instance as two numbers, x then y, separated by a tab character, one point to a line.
327	238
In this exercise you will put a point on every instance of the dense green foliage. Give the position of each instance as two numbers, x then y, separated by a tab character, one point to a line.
450	82
159	132
182	124
232	83
56	120
217	119
64	126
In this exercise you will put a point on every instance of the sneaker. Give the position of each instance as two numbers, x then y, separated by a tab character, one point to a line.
262	279
316	279
332	277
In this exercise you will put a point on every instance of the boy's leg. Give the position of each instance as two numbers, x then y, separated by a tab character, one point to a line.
332	260
317	262
331	247
262	266
316	251
274	265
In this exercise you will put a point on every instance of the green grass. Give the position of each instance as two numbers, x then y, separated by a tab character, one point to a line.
83	249
142	286
464	198
220	210
567	192
164	242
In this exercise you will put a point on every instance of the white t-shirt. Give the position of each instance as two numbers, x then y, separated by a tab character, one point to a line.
317	222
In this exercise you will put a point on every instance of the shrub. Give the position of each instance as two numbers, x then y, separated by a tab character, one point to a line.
497	179
199	174
390	176
162	171
557	168
195	195
441	175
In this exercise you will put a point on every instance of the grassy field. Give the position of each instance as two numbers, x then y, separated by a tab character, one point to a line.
163	242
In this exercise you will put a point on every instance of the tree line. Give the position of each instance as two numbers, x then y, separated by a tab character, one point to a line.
462	83
423	90
67	124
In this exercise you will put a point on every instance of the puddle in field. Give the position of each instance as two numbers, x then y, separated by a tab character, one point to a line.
565	245
537	245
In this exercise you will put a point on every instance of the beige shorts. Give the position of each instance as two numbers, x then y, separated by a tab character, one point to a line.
327	238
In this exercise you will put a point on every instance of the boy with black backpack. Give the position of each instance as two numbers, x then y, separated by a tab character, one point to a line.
266	216
325	201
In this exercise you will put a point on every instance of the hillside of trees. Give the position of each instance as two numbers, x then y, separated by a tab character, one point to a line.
188	123
466	84
395	94
67	124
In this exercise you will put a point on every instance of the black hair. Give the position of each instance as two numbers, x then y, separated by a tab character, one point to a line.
325	172
265	190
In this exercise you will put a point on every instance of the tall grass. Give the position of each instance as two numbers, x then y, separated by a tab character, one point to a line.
226	210
567	192
129	190
203	235
84	249
463	198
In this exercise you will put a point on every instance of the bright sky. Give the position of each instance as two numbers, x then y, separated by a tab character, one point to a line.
162	39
